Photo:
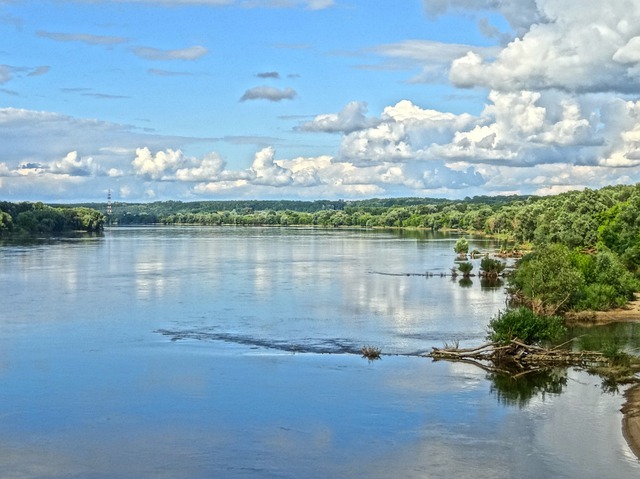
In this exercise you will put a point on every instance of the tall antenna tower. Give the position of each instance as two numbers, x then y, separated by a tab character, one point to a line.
109	210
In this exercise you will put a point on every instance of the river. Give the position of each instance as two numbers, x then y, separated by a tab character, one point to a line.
233	353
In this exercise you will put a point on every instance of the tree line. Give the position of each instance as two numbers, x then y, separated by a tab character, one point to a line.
577	219
38	218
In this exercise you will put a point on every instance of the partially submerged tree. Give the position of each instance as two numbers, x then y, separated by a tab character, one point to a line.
461	247
491	267
465	268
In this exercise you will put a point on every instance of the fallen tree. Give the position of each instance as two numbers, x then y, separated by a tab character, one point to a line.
516	358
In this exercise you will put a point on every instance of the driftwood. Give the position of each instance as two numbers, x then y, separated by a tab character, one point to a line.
518	358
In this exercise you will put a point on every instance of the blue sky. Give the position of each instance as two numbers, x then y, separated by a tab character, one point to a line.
310	99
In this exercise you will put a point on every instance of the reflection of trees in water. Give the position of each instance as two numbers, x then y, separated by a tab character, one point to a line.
519	390
595	338
490	283
485	283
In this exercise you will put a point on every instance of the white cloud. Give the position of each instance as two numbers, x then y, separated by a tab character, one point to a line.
403	132
351	118
210	168
433	58
574	45
74	165
267	171
160	166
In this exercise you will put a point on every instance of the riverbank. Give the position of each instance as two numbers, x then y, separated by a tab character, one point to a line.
628	313
631	419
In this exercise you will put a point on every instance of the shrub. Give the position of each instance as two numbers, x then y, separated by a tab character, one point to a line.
609	270
547	281
461	247
600	297
526	326
465	269
491	267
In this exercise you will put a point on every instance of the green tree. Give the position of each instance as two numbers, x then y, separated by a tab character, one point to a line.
461	247
6	222
546	280
491	267
525	325
465	268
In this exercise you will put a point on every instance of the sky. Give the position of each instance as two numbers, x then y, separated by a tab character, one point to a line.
316	99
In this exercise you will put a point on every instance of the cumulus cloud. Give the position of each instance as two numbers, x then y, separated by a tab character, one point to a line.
433	58
351	118
269	93
190	53
159	166
74	165
574	45
402	132
28	134
210	168
267	171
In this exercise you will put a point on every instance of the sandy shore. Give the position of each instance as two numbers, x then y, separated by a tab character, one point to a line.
630	313
631	419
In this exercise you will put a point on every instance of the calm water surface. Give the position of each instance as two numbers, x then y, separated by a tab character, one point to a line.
232	352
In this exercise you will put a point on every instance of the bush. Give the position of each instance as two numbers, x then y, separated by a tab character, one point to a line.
461	247
465	269
547	281
608	269
600	297
491	267
526	326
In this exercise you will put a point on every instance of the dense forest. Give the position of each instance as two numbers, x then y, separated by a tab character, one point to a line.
38	218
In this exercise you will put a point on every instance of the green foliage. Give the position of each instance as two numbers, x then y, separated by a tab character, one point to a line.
599	297
491	267
615	355
37	218
608	284
465	268
619	229
461	247
6	222
516	390
526	326
546	280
